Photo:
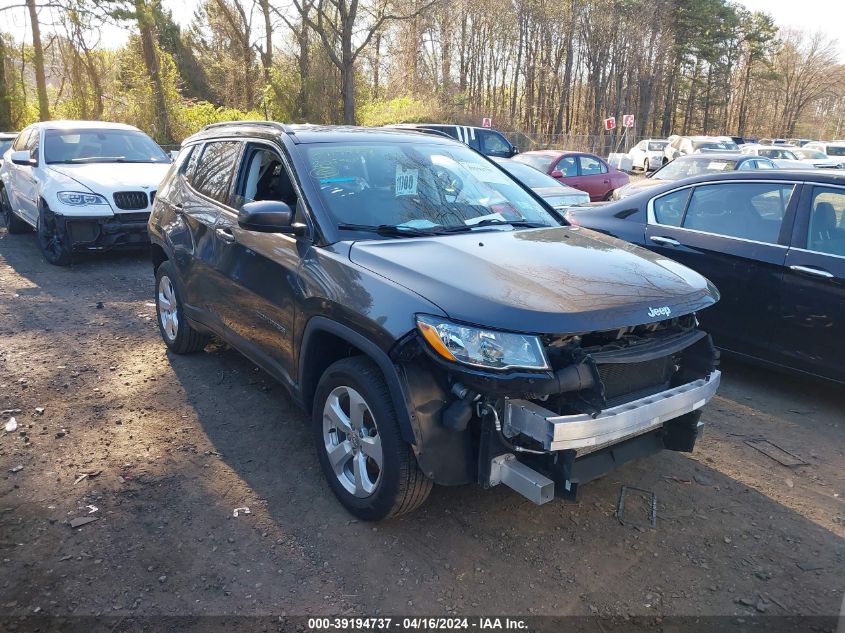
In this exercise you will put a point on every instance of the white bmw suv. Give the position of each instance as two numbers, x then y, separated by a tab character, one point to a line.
82	185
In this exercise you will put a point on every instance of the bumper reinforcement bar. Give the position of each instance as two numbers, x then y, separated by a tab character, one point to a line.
585	434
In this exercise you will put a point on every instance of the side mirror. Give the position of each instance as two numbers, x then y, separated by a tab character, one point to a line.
269	216
514	150
173	154
24	159
556	174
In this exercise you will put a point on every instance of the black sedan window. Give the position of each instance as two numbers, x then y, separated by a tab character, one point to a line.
751	211
669	209
827	222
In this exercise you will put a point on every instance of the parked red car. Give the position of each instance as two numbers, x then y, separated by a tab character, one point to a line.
583	171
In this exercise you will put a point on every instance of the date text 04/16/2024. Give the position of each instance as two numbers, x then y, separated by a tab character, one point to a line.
416	624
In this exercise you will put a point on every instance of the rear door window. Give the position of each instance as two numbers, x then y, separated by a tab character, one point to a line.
827	222
751	211
212	175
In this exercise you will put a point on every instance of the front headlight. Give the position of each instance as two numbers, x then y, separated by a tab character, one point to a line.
80	199
482	348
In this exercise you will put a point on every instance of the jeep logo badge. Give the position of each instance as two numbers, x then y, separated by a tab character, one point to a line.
662	311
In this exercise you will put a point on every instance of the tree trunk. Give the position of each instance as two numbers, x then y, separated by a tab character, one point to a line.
348	92
151	62
304	70
267	53
38	60
5	97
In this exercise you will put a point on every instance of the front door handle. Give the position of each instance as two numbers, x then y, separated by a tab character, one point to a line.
814	272
225	235
664	241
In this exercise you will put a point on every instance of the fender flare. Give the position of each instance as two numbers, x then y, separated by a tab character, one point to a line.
388	369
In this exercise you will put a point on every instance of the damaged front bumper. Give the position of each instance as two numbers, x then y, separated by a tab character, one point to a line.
585	433
122	230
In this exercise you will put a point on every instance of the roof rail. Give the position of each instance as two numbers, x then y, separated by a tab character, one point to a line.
284	126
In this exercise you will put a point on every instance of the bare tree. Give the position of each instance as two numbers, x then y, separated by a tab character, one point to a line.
38	62
339	23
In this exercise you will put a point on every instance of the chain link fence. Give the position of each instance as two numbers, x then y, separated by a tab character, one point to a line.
599	144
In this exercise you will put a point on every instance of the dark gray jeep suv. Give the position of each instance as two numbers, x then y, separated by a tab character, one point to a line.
441	322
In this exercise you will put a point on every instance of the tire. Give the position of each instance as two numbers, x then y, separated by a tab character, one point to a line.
378	490
645	166
53	242
175	330
13	223
608	196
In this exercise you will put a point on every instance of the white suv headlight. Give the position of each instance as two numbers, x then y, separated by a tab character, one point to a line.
80	199
482	348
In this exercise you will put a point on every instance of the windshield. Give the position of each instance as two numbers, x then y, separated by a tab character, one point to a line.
529	176
418	187
777	154
836	150
657	146
537	161
101	146
812	154
728	145
5	144
685	167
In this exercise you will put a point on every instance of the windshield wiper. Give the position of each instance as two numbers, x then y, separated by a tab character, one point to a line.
392	230
398	230
492	222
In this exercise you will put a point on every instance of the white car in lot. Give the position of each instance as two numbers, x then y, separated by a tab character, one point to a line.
818	158
648	154
82	185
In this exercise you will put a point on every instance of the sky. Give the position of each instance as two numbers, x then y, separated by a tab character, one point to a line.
811	15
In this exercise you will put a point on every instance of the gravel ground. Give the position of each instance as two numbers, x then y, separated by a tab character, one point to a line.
161	449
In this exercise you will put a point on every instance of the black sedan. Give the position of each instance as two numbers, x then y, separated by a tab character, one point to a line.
707	162
773	243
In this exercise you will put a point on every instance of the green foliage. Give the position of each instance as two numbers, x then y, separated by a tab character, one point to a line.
398	110
189	118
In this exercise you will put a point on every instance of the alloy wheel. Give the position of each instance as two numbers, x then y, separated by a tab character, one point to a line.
167	312
5	208
352	441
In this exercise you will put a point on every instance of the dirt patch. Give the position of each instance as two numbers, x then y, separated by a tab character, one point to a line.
165	448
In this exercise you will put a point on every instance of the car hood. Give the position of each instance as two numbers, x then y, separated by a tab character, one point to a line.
555	280
110	177
636	186
558	192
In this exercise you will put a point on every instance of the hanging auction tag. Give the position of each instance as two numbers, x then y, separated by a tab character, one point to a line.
406	181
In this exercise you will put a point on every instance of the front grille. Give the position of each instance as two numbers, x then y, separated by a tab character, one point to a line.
627	381
130	200
133	217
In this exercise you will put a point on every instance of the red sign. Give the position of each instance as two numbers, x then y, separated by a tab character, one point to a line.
610	123
627	120
486	122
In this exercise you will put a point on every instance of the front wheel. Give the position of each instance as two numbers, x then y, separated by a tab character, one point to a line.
176	332
53	238
645	166
13	223
370	468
